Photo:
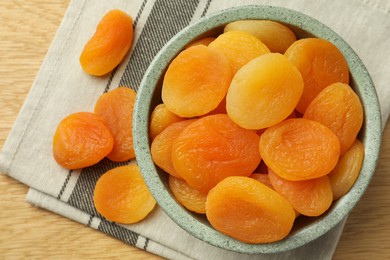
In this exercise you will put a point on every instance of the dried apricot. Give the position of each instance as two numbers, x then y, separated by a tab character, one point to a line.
196	81
263	178
320	63
204	41
276	36
239	47
160	118
116	109
220	109
299	149
161	148
264	92
339	108
262	168
347	170
309	197
110	43
249	211
187	196
81	140
213	148
121	195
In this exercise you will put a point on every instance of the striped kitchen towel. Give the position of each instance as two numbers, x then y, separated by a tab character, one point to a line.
61	88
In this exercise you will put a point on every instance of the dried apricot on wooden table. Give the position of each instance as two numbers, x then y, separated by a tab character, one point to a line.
213	148
160	118
320	63
239	48
339	108
121	195
249	211
196	81
299	149
109	44
347	170
309	197
81	140
276	36
116	110
264	92
161	148
190	198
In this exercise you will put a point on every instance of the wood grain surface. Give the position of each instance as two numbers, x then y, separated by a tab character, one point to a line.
26	232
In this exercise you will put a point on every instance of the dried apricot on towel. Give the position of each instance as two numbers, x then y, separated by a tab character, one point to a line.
249	211
196	81
338	107
347	170
264	92
110	43
116	109
187	196
121	195
309	197
213	148
81	140
161	148
320	63
299	149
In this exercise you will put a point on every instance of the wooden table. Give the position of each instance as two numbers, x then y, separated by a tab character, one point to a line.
26	31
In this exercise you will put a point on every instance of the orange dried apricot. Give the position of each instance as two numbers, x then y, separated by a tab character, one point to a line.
320	63
220	109
81	140
249	211
110	43
196	81
213	148
264	92
309	197
239	48
116	110
187	196
263	178
293	114
276	36
347	170
262	168
121	195
161	148
203	41
160	118
299	149
339	108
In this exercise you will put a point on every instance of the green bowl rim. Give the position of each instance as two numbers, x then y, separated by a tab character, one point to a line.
371	138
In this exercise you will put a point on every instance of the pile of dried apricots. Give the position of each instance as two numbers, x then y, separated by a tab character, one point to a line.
257	127
82	139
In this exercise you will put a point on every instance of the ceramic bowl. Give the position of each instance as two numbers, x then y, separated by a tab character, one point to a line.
149	95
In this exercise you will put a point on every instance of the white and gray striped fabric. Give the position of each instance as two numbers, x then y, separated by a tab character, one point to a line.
61	88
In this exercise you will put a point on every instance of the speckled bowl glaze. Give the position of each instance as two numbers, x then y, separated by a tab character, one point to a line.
149	95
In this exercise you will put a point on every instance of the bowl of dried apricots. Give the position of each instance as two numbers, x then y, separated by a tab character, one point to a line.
257	129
